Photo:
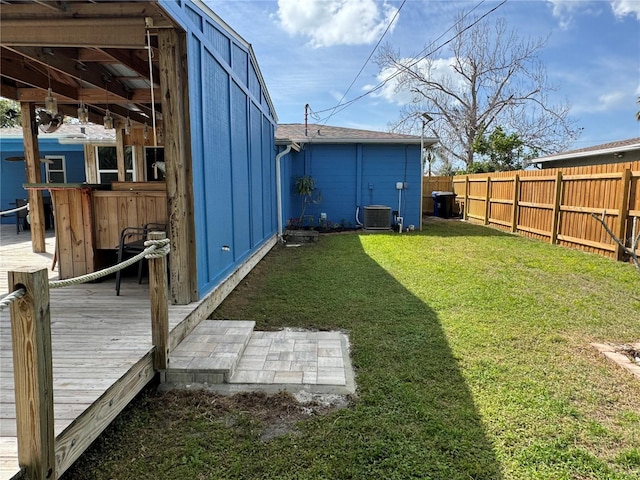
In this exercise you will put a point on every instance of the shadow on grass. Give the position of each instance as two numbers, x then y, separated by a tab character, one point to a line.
415	417
455	227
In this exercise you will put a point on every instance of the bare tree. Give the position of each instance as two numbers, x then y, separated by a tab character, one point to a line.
490	76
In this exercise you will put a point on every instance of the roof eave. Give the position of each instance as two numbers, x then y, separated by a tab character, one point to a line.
380	141
590	153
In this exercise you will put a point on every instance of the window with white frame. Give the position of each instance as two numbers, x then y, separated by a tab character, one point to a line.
107	164
55	169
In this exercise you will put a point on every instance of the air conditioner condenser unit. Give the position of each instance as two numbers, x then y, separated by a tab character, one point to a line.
377	217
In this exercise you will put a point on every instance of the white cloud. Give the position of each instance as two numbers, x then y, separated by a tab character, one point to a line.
564	10
626	7
439	69
335	22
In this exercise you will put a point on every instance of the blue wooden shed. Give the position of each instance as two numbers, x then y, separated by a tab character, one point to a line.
173	68
363	177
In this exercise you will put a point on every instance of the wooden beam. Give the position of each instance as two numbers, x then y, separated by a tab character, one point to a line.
33	175
623	208
64	62
18	71
557	202
515	217
87	427
33	375
86	10
177	155
122	171
159	297
79	32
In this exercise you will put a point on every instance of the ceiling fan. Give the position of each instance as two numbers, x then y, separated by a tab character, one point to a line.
49	123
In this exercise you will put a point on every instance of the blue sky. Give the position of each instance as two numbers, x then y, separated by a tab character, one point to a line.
310	51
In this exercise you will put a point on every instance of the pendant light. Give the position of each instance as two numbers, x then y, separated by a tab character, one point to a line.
83	112
108	119
127	126
50	102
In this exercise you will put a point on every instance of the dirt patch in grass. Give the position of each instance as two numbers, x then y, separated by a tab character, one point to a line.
274	415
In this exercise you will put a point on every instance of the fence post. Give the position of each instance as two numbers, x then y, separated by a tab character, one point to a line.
159	296
33	374
623	209
555	221
487	202
465	213
516	199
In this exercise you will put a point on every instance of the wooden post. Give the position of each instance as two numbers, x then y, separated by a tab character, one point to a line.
120	157
516	200
177	154
465	213
33	374
623	209
159	296
33	175
487	202
555	220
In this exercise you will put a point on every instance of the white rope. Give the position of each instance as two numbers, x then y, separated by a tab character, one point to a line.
13	210
12	297
155	249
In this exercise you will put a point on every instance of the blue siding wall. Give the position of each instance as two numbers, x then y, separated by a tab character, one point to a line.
232	145
352	175
13	174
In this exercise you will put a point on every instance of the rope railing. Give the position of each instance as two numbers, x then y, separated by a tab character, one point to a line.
12	297
154	249
14	210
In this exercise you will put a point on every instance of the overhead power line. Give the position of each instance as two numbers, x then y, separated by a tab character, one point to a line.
421	56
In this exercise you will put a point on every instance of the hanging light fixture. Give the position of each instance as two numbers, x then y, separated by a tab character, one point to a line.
127	126
145	131
50	102
108	119
83	112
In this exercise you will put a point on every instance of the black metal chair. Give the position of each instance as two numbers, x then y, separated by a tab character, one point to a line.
21	215
132	243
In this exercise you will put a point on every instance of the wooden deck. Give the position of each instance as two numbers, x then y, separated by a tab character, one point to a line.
101	349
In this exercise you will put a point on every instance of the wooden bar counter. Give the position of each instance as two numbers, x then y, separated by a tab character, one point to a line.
89	219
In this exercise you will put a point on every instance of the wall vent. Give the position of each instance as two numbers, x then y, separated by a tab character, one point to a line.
377	217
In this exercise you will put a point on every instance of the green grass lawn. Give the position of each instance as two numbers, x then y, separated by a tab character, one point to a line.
472	357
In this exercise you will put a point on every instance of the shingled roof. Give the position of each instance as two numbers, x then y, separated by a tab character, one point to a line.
611	147
295	132
89	133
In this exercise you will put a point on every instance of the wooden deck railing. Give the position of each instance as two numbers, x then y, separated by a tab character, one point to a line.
554	205
40	454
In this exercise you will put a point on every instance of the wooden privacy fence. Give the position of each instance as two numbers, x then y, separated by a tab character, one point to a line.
553	205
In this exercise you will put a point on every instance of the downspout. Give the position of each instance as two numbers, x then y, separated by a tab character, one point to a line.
279	189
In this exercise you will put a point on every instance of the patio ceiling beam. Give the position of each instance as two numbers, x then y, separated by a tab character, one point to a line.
88	95
68	65
80	32
82	10
18	71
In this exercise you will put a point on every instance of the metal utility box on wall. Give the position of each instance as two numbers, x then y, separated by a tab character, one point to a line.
377	217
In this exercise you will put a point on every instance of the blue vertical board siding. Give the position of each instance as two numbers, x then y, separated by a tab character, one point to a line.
13	175
240	173
240	63
217	157
385	165
355	175
255	118
220	43
334	169
194	53
232	146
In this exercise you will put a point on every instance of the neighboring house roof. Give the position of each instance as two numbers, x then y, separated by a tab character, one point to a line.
295	132
69	133
618	147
